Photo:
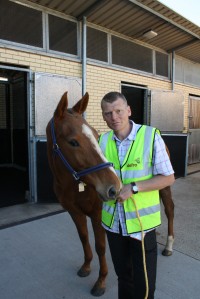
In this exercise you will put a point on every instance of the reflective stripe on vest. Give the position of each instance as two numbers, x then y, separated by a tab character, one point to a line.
137	166
139	155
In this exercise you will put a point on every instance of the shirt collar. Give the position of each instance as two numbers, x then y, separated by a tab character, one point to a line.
132	134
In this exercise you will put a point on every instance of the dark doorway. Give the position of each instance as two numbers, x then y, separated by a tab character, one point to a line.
136	98
14	178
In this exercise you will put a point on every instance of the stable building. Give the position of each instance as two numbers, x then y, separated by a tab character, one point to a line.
141	48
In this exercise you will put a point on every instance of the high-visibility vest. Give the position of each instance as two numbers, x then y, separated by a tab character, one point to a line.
137	166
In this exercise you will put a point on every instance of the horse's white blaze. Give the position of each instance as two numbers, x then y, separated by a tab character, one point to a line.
89	134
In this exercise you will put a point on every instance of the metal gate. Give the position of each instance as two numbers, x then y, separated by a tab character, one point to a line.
167	114
49	89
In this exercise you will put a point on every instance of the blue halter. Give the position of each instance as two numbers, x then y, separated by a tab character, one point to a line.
75	174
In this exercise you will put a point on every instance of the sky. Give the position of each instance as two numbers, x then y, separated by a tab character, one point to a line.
190	9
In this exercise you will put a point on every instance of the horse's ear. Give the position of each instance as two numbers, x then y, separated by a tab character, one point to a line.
81	105
62	105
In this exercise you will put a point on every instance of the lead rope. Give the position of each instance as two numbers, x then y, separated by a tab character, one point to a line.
143	249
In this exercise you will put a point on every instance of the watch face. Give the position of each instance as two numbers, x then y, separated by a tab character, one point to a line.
134	188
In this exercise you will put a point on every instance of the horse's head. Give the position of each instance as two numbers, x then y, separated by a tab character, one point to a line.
77	142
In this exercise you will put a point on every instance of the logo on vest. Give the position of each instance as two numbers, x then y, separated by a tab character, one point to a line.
135	163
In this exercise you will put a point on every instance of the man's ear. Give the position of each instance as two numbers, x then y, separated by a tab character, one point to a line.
129	111
103	116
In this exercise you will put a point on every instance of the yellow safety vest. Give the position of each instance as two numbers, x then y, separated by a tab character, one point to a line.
137	166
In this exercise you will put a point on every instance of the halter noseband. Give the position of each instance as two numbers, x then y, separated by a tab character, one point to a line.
75	174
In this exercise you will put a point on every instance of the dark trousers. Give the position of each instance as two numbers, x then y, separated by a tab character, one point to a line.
126	254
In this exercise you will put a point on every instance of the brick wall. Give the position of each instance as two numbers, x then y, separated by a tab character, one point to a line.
40	63
100	80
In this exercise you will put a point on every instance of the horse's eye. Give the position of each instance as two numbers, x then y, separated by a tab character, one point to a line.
74	143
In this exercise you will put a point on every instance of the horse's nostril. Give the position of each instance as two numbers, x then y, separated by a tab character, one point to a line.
112	192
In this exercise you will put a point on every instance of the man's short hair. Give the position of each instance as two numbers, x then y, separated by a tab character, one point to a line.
112	97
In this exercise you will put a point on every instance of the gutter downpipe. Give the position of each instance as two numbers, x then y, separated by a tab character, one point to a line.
84	58
173	70
84	62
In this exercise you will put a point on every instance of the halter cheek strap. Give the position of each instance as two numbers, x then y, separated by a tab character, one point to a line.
76	175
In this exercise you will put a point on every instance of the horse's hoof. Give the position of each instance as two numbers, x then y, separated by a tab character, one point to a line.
83	272
167	252
97	291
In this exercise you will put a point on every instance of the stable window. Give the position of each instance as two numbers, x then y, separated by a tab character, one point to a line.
20	24
97	44
161	64
187	72
129	54
62	35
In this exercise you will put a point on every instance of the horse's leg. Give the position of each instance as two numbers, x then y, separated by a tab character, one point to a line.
100	246
166	197
80	221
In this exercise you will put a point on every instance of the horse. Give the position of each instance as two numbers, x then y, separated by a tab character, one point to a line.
82	178
72	144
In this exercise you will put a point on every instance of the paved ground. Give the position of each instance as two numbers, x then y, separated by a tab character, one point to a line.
186	196
17	214
39	259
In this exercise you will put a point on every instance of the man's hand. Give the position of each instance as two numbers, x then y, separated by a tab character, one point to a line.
125	193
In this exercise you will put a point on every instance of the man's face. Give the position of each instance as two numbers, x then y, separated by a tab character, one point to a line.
116	114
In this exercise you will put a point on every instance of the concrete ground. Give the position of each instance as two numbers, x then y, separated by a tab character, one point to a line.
39	259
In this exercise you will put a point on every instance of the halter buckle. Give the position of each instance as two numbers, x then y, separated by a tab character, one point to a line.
55	147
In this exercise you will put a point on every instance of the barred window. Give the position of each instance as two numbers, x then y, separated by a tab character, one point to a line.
62	35
20	24
162	64
187	72
129	54
97	44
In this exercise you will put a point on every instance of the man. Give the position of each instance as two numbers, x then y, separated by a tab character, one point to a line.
140	160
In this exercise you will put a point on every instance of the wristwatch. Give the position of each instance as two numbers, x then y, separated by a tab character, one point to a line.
134	188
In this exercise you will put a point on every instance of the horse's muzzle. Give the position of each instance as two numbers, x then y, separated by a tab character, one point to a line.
112	193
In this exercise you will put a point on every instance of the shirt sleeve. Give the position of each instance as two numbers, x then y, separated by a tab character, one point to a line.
161	161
